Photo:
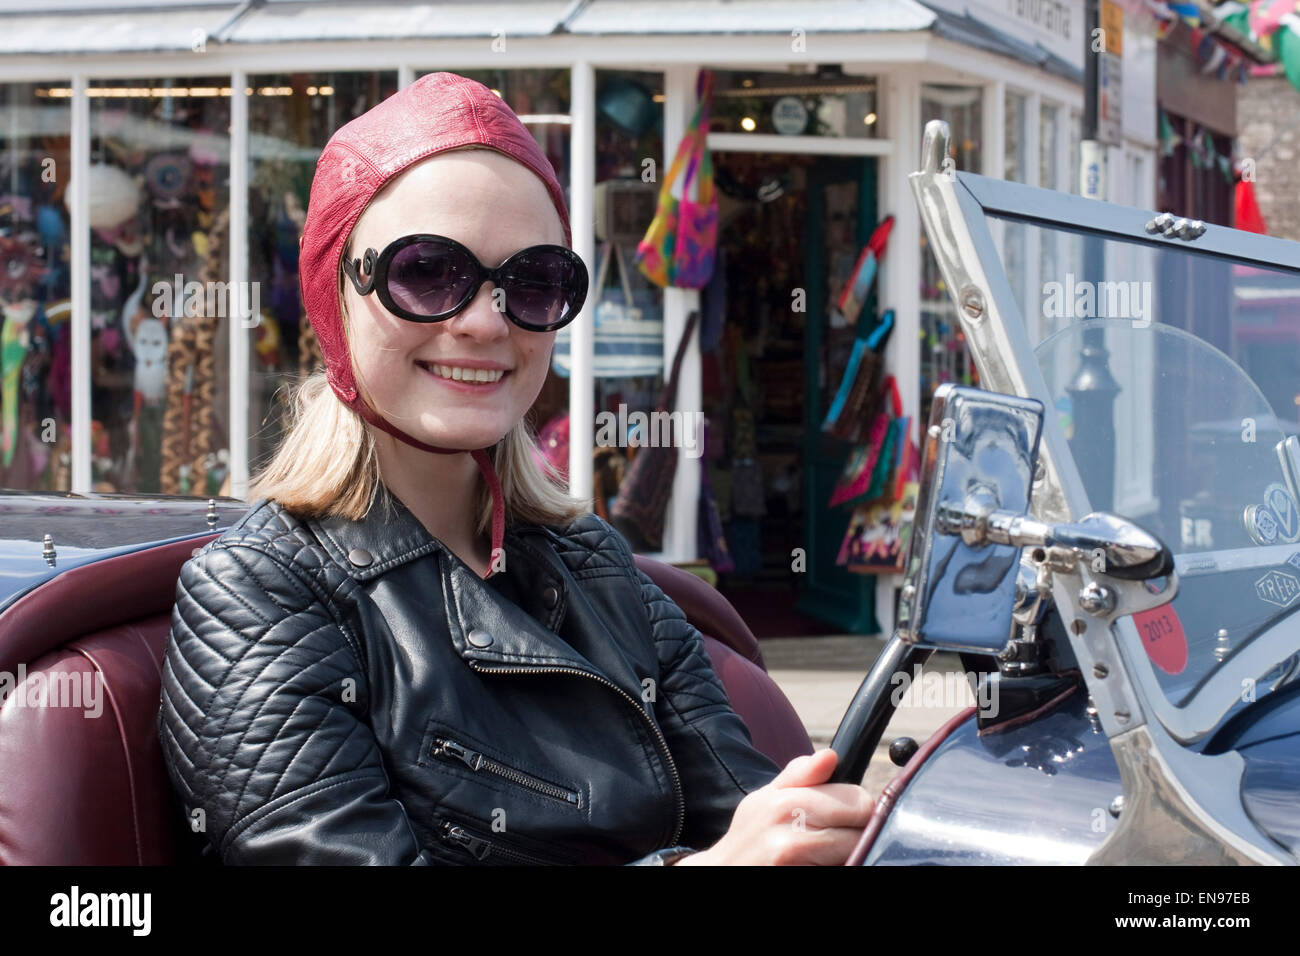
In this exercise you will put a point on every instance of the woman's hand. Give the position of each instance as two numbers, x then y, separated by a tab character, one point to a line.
797	819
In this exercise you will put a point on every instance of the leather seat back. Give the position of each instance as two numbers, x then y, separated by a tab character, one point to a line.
82	779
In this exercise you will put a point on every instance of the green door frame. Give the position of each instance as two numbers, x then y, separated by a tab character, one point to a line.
830	593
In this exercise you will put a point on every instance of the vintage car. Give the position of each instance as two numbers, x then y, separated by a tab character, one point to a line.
1107	534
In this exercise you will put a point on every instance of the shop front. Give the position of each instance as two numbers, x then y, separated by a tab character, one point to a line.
155	174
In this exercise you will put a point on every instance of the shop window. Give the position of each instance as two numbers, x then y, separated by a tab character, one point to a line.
1016	158
825	103
290	118
1049	177
35	284
159	214
1076	140
626	309
540	98
944	357
1048	127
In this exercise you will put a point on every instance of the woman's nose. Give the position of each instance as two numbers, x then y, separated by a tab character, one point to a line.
485	316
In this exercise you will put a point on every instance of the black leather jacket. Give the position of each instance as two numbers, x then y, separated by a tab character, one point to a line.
351	692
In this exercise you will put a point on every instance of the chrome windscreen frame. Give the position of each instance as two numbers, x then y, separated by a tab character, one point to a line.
1181	806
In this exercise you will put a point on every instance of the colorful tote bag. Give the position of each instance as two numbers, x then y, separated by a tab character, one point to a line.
679	247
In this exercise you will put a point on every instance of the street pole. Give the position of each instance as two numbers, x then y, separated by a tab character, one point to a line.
1093	388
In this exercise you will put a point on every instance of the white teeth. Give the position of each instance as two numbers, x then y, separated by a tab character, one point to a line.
458	374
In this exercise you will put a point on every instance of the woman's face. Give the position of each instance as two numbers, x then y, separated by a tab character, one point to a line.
495	207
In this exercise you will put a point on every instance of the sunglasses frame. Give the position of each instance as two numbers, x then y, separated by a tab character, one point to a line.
376	266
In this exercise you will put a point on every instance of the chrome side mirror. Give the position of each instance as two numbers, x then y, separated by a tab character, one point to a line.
979	457
972	522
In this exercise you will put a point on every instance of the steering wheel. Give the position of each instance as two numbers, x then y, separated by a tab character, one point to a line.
870	711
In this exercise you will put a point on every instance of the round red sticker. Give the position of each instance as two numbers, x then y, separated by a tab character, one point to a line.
1163	637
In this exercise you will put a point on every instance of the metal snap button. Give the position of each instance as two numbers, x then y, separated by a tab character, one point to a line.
551	596
479	637
360	557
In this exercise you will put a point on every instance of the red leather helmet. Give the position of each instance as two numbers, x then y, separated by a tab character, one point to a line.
436	113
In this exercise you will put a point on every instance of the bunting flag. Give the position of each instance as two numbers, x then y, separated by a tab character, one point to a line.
1273	24
1247	215
1169	140
1287	44
1265	16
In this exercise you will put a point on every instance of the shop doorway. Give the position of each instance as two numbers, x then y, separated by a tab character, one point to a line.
791	227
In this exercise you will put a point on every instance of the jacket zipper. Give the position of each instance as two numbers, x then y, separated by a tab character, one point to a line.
454	750
481	848
663	744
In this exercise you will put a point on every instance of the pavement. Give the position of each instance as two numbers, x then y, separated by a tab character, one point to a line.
820	675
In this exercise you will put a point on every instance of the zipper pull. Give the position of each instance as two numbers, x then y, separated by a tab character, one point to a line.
449	748
462	837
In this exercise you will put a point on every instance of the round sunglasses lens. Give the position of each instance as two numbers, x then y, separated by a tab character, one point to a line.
428	278
542	288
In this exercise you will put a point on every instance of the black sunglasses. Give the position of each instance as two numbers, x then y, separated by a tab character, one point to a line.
426	278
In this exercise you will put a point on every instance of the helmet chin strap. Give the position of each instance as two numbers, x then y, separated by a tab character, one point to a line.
480	455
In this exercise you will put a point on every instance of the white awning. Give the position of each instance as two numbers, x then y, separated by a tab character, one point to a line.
87	27
143	26
749	16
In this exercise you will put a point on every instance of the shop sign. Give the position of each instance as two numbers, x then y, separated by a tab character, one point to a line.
1110	91
1056	25
789	116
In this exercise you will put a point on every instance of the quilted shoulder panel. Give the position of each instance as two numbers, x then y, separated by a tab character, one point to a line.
590	544
269	528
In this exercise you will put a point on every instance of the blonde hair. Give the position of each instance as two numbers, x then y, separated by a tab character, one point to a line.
327	464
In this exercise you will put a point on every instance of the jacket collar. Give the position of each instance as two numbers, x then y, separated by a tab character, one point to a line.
390	536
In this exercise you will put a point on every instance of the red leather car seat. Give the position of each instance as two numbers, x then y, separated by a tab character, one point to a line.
92	790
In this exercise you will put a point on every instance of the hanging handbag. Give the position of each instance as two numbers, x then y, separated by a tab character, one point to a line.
680	245
627	326
857	401
638	510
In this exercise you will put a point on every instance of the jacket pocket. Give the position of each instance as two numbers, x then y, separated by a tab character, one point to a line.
473	841
444	747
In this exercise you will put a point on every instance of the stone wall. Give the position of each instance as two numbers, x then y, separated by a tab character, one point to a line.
1268	123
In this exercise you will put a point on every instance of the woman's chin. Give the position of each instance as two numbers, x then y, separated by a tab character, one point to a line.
466	435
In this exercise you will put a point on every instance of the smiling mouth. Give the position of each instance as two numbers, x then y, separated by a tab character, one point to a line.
470	376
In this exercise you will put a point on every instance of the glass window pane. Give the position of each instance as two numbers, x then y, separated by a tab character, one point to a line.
1173	375
290	118
35	284
626	307
540	98
1076	138
827	103
1016	163
159	203
1048	125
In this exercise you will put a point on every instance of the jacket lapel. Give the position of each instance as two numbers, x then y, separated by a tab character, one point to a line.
485	626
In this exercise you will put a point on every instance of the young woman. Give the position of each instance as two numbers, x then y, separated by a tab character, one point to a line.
407	654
